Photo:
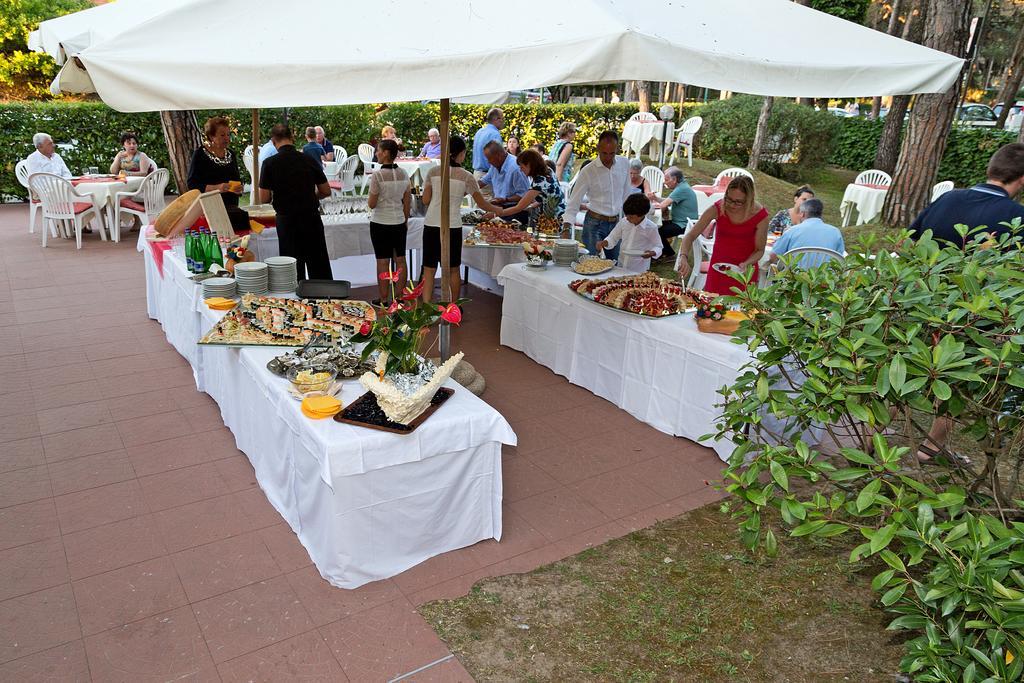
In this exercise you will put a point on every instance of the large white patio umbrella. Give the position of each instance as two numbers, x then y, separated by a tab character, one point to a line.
202	54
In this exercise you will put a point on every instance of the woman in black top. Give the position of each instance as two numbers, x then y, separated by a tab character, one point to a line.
214	167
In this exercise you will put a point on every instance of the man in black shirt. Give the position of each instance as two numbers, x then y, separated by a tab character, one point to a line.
297	184
987	204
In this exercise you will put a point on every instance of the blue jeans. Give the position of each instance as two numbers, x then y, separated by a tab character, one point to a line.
594	231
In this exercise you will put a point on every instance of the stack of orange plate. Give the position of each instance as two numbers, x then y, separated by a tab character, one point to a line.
320	407
219	303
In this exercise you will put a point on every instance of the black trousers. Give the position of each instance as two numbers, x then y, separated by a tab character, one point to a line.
302	236
668	231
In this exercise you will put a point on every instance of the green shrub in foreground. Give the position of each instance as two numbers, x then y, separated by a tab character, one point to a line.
869	352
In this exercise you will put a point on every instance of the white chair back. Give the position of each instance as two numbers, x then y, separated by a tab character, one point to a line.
643	116
152	191
810	257
730	173
347	173
247	159
941	189
57	195
654	177
705	202
873	177
365	152
340	153
690	128
21	172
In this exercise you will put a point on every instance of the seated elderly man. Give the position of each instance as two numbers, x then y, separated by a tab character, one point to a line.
432	150
809	231
505	178
45	159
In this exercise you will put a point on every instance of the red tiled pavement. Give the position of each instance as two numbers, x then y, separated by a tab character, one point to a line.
126	553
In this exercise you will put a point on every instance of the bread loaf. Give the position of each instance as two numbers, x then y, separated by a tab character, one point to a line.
169	218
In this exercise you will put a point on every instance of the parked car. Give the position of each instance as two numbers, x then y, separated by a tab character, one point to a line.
840	112
1015	117
975	115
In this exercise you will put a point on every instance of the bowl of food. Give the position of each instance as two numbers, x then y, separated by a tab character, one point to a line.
307	378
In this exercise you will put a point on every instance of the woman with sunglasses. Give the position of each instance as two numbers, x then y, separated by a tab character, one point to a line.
741	232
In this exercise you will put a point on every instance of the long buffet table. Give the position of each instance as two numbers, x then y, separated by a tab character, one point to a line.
664	372
365	504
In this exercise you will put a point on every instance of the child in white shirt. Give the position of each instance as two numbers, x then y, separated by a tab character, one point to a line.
638	234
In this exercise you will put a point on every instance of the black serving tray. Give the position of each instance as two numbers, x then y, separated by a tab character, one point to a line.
324	289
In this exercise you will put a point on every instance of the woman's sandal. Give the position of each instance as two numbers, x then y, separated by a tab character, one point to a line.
934	453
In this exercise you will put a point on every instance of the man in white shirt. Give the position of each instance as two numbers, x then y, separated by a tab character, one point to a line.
605	184
45	159
637	234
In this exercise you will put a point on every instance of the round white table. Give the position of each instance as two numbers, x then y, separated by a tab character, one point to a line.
638	134
103	188
867	199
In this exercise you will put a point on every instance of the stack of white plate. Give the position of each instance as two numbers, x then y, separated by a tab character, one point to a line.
564	252
251	278
283	274
219	286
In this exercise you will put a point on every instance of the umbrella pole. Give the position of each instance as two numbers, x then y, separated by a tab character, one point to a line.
444	341
254	199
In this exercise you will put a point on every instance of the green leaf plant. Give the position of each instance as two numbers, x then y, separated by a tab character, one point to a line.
852	362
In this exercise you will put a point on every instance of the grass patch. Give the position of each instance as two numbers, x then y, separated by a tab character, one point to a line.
680	601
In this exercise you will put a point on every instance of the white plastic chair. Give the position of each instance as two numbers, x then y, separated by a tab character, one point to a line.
247	159
685	138
340	154
62	203
21	172
941	189
873	177
345	182
696	278
654	177
365	154
730	173
151	194
643	116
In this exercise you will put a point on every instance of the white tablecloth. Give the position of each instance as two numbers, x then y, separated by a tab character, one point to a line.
103	193
663	372
346	234
867	200
365	504
417	169
639	134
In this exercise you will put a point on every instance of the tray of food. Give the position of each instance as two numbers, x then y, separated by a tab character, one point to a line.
646	295
270	321
501	235
592	265
345	359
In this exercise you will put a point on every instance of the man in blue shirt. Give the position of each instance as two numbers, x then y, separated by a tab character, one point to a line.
312	148
491	132
321	139
810	231
266	151
987	204
507	182
432	150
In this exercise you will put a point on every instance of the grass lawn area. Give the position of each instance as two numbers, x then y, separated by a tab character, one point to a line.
680	601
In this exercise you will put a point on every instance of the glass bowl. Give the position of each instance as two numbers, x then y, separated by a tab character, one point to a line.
307	378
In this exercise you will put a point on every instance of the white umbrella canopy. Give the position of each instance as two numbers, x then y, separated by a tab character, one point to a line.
69	34
222	54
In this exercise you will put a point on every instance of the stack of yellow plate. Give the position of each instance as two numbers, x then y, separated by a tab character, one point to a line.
320	407
219	303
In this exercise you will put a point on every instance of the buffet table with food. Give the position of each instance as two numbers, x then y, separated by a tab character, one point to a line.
631	339
367	497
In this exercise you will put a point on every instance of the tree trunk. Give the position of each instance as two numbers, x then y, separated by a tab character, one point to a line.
761	134
643	91
1011	79
181	131
946	29
629	95
889	141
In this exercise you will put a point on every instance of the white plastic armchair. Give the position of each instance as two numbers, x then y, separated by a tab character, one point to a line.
345	182
643	116
730	173
685	138
873	177
64	206
34	205
146	203
365	153
941	189
654	177
340	154
696	256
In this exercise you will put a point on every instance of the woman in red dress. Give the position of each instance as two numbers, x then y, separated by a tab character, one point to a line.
741	231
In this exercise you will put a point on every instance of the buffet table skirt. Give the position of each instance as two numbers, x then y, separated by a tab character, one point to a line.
664	372
365	504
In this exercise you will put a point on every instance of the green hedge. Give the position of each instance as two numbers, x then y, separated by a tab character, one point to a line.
964	161
87	132
729	127
528	122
